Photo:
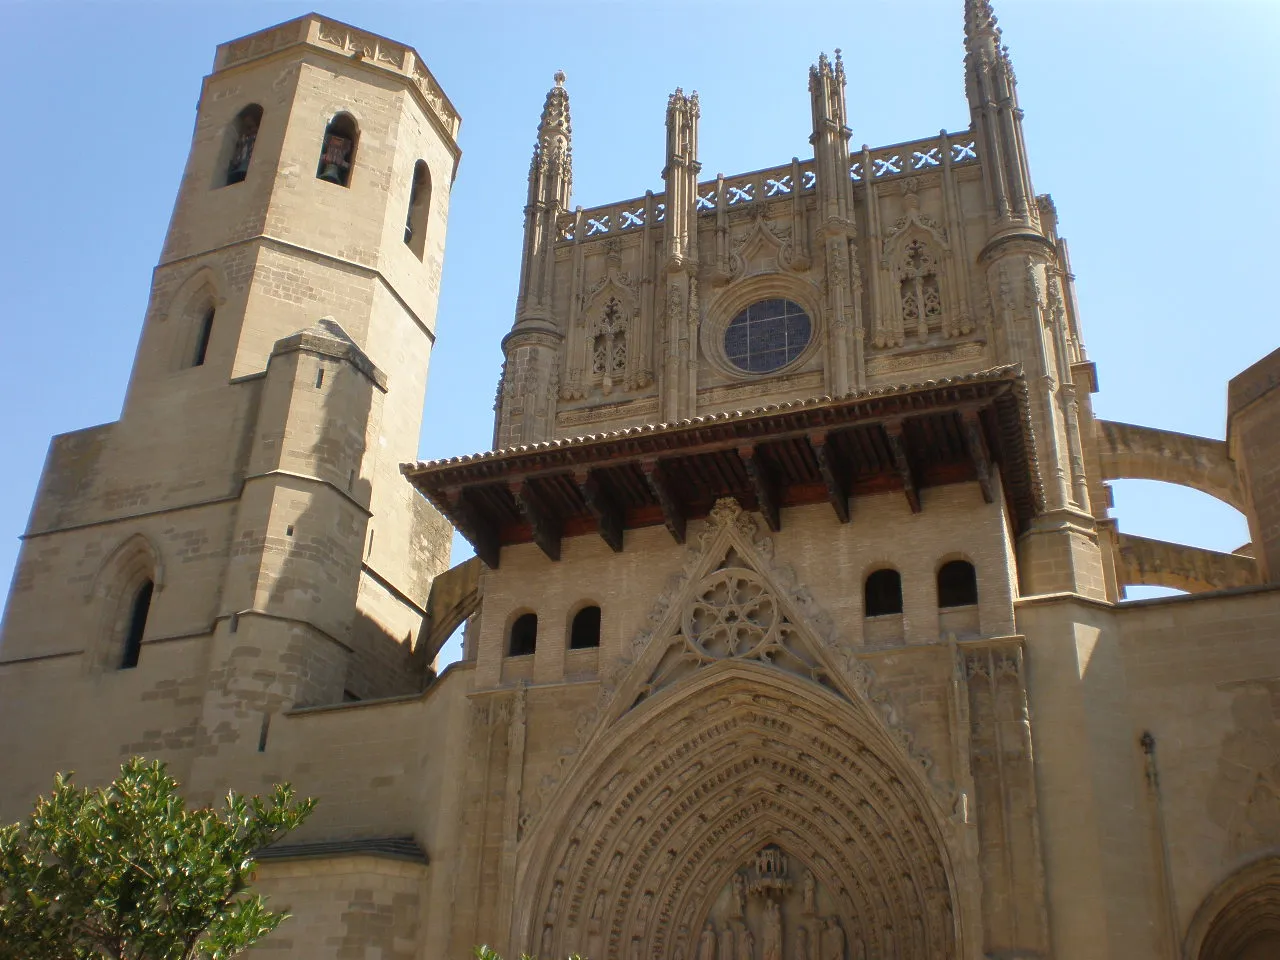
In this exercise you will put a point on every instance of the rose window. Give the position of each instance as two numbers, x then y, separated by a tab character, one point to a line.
767	335
733	615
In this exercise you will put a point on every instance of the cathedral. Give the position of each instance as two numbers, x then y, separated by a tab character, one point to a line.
796	626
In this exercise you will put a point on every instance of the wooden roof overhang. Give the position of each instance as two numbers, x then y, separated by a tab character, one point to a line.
906	438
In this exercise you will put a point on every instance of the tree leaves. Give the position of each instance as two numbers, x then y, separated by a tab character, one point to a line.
486	952
127	872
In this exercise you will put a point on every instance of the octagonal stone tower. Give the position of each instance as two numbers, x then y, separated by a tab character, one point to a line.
241	540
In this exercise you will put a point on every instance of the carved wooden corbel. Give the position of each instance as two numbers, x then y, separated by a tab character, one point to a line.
608	515
893	434
672	511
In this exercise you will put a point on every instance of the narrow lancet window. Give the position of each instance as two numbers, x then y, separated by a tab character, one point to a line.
245	131
338	151
882	594
415	223
202	339
137	625
524	635
584	633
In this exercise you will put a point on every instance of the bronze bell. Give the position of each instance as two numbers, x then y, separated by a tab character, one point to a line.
331	172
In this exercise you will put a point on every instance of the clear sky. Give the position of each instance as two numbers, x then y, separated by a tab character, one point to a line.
1153	123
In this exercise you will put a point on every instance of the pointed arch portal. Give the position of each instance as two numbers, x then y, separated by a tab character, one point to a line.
742	795
693	788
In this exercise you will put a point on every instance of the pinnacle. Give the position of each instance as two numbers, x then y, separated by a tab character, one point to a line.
979	19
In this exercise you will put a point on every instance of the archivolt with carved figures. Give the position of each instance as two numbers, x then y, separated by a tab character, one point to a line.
744	812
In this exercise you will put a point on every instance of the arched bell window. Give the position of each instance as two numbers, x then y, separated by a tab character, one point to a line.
524	635
338	150
957	584
415	222
584	632
882	593
137	625
244	130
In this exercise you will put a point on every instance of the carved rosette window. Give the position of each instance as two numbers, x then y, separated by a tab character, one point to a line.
734	615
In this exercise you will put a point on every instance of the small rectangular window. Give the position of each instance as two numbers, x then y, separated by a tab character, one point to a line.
320	378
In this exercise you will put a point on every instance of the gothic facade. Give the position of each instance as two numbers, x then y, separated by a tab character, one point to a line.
796	627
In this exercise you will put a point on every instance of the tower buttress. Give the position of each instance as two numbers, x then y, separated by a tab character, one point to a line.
531	351
1025	283
680	253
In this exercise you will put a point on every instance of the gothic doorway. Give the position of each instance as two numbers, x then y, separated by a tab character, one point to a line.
747	814
1240	920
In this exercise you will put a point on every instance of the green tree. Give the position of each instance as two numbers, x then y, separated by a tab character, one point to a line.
129	873
488	953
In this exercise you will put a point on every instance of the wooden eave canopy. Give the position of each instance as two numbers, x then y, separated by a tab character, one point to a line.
907	438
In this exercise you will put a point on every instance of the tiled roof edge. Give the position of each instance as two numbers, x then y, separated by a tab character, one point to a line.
1005	371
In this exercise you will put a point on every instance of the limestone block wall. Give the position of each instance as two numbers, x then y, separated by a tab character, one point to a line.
110	472
1202	677
58	716
1100	881
92	571
351	906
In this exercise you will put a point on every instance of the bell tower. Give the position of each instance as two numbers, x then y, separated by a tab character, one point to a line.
242	532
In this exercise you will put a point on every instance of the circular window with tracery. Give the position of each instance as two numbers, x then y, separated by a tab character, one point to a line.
767	335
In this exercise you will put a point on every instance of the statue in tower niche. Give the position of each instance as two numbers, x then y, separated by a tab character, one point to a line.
772	931
739	904
801	950
833	940
707	942
810	891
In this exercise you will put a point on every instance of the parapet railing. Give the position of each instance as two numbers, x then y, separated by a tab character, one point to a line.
897	160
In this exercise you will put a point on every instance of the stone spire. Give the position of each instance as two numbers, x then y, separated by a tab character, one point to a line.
997	121
680	257
681	173
830	138
550	188
837	229
555	130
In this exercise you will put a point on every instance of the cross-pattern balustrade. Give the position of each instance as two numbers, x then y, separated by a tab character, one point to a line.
903	159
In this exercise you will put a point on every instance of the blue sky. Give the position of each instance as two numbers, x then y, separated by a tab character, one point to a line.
1154	125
